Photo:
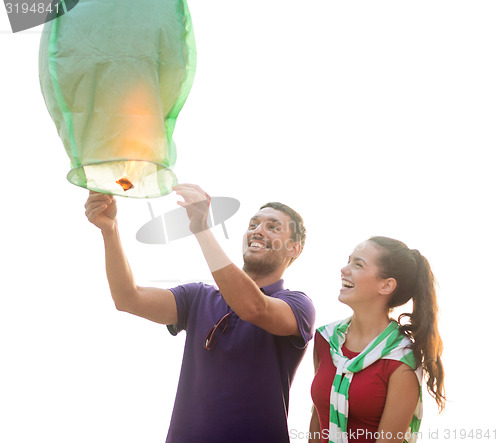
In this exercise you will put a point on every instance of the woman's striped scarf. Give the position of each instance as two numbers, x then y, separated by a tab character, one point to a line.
390	344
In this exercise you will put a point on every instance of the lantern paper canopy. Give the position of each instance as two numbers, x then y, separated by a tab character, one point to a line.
114	75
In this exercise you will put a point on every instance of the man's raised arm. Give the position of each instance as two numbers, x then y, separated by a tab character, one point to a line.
241	293
154	304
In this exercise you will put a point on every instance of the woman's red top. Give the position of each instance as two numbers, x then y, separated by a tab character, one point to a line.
367	393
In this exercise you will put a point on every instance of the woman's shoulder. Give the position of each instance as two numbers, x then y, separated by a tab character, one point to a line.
329	329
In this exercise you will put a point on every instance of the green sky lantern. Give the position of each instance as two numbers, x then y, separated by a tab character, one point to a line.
114	75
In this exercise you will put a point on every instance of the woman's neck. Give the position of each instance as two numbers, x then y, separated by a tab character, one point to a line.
364	328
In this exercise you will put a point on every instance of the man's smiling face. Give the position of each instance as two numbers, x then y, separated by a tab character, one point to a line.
267	241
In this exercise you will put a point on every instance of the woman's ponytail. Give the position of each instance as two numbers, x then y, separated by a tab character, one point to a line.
415	280
424	328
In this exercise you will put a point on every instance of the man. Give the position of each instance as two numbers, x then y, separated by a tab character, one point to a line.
244	340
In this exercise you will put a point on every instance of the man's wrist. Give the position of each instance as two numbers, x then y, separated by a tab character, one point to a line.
199	229
110	231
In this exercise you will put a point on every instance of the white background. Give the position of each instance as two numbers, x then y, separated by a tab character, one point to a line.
368	117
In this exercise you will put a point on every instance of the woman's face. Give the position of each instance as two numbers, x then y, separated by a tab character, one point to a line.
361	283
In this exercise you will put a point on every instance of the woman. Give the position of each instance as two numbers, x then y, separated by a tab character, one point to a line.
369	368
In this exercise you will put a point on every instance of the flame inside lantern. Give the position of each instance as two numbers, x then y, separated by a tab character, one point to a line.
132	172
125	183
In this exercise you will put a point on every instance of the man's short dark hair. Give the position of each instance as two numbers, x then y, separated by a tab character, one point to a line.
299	230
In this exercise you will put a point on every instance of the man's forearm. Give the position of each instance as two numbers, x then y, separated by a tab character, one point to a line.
120	279
238	289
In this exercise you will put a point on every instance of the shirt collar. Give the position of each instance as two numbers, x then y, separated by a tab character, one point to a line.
273	288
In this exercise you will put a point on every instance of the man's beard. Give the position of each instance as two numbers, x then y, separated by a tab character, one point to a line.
256	265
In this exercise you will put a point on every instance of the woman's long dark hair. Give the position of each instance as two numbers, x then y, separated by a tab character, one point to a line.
415	280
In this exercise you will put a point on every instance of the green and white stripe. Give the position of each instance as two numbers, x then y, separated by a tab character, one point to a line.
390	344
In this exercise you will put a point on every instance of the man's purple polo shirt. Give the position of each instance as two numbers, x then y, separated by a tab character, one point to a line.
238	391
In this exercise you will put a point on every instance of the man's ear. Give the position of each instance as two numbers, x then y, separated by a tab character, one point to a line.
388	286
294	249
